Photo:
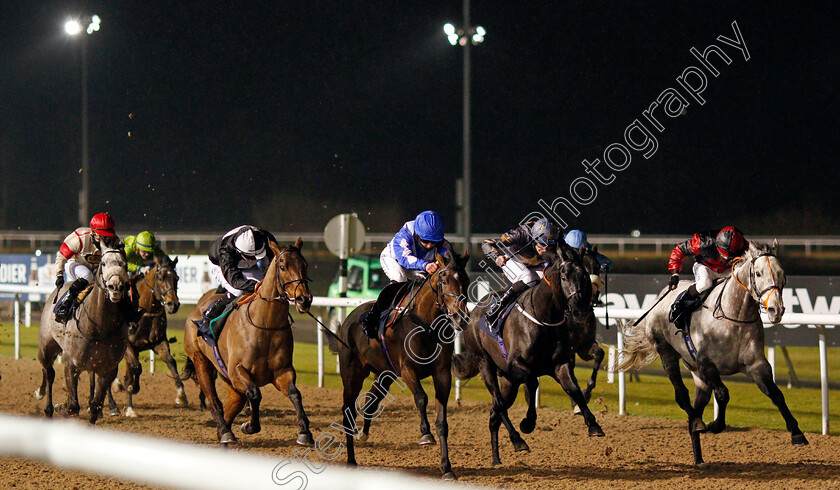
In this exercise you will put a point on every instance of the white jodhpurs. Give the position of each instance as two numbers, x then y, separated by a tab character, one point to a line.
517	271
704	278
252	274
74	270
395	271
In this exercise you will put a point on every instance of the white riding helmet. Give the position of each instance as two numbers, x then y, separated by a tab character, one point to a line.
246	244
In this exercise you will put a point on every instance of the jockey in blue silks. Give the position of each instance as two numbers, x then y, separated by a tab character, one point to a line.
409	256
577	239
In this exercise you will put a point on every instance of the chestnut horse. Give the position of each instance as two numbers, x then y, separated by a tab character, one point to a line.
414	352
158	295
93	340
256	345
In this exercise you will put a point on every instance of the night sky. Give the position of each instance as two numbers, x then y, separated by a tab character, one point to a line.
205	115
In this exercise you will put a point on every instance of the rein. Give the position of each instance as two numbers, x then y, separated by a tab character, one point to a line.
282	296
99	282
718	312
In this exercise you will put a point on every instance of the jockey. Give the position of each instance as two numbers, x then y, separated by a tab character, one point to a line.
79	254
520	254
408	256
713	255
141	251
239	259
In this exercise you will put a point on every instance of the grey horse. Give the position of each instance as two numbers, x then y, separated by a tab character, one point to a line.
94	340
728	337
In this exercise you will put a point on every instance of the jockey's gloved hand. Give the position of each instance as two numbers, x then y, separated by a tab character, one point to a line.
143	270
59	280
674	281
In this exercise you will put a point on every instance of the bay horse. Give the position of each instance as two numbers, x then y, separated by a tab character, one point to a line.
419	345
93	340
537	339
256	345
728	336
158	295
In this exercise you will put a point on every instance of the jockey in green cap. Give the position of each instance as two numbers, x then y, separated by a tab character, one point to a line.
140	252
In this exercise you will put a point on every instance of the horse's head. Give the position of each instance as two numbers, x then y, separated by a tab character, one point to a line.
450	283
570	285
766	279
166	284
291	269
589	258
113	273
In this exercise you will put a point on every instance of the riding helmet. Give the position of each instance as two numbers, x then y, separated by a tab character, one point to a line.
145	241
730	242
576	239
102	224
428	226
249	243
543	233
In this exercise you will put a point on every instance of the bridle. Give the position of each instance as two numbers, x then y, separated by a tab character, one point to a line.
282	295
751	287
160	296
99	281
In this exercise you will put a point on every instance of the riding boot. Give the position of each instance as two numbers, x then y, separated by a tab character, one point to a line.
370	320
685	304
510	294
217	308
65	309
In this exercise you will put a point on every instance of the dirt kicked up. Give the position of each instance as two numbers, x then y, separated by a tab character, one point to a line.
637	452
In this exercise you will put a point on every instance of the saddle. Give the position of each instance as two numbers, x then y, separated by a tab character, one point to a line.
390	309
75	302
495	329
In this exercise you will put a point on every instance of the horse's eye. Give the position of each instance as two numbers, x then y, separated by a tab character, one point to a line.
758	274
283	268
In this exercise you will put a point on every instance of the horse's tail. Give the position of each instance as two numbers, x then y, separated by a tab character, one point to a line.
189	369
333	339
465	366
639	350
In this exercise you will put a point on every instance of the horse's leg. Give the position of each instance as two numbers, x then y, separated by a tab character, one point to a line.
233	405
285	382
421	400
671	363
378	391
565	375
711	379
71	379
353	376
528	424
114	410
92	379
597	354
162	350
133	370
443	385
243	383
762	374
508	390
490	377
102	384
203	370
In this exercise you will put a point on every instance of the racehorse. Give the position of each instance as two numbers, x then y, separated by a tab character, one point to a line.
256	345
728	337
93	340
537	339
418	344
158	295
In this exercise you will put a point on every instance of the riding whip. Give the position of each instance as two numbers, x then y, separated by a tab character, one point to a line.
652	307
327	330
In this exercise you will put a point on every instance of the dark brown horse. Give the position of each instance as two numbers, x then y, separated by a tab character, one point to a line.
93	340
256	345
419	345
536	335
158	295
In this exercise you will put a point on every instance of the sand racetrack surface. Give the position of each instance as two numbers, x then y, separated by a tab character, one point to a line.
637	452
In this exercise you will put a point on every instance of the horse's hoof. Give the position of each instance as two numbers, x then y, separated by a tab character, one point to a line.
48	413
596	431
117	385
38	394
64	411
114	412
798	440
527	426
427	439
697	425
521	445
715	428
496	462
363	437
134	389
703	466
181	400
227	438
248	429
305	439
577	410
449	476
130	413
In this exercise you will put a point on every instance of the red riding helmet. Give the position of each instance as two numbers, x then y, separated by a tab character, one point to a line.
102	224
730	242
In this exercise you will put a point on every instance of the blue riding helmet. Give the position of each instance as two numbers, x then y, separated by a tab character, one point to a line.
544	233
428	226
576	239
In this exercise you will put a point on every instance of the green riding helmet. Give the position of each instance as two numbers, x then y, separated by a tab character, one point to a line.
145	241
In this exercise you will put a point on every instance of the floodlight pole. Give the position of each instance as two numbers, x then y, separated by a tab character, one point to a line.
467	210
